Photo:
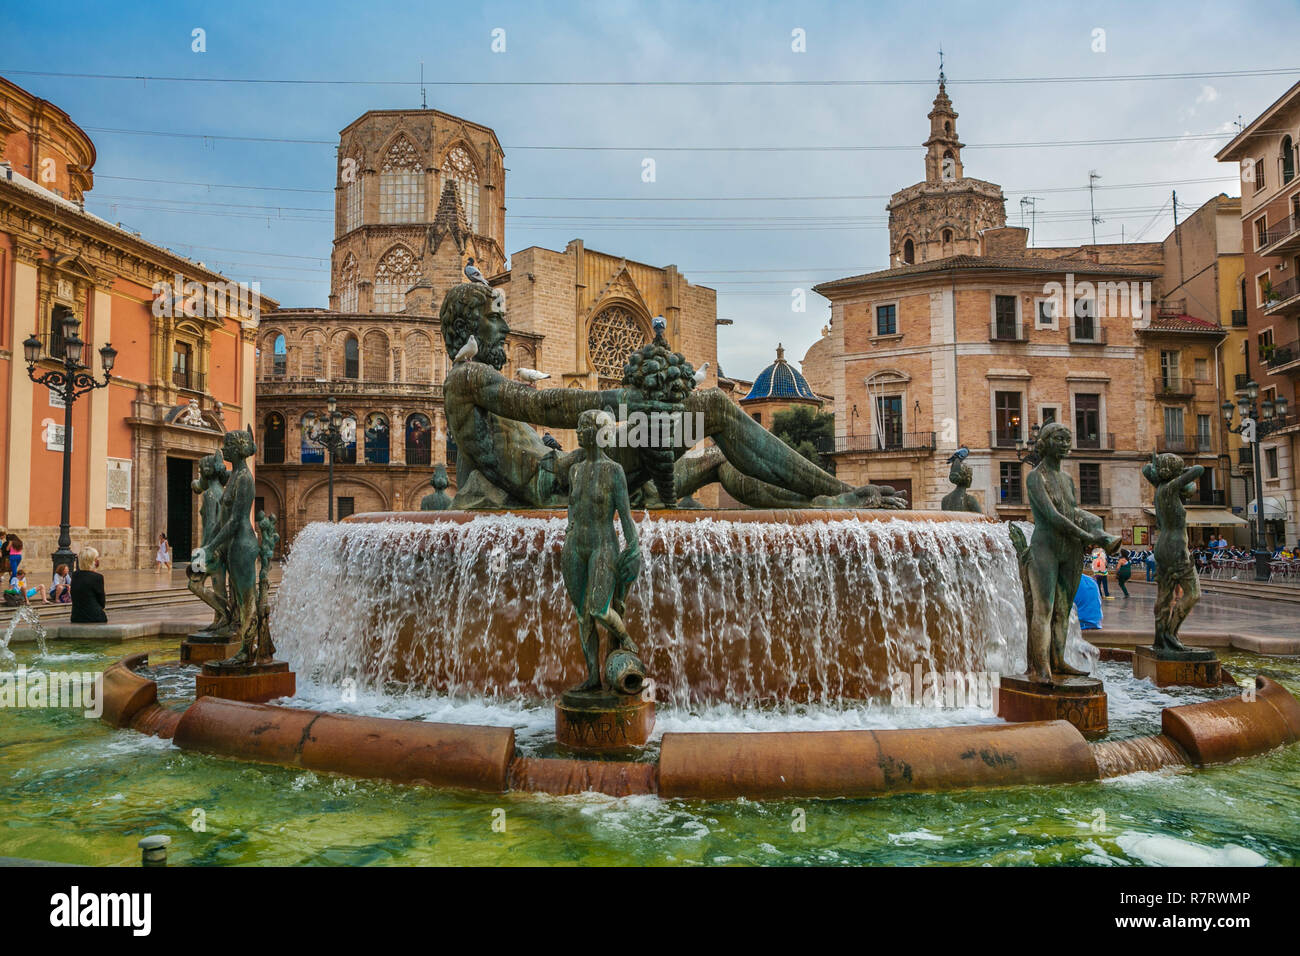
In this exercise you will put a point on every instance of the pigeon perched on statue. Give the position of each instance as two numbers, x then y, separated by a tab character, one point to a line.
467	351
960	454
549	441
701	373
531	375
472	273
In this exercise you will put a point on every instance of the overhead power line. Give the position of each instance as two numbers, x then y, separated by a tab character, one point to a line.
1039	144
884	81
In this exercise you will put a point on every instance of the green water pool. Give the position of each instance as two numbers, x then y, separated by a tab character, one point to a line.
74	790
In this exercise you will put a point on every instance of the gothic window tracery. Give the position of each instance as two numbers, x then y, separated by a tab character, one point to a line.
397	271
348	284
612	336
460	170
401	184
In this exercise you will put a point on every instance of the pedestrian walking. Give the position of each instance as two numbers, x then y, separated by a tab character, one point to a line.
1099	571
1122	573
164	558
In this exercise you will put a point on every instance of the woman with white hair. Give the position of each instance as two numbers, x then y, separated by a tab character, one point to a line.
88	590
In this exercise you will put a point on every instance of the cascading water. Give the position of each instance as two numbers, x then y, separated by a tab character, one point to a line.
25	615
742	612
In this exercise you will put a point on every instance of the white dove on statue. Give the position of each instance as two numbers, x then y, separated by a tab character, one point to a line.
701	373
472	273
531	375
467	351
660	323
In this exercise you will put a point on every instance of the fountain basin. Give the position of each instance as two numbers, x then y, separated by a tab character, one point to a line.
756	607
764	765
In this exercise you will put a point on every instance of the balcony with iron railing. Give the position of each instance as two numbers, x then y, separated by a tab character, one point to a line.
1212	497
1284	359
1172	387
1240	381
906	442
1004	331
1283	298
1281	238
1185	444
1238	318
1246	456
189	381
298	385
1087	332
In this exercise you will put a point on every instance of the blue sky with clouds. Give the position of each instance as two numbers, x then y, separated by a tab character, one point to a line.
753	248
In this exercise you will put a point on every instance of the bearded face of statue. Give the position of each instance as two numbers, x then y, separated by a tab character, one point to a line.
491	334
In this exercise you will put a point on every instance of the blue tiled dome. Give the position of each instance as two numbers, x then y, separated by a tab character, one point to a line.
780	380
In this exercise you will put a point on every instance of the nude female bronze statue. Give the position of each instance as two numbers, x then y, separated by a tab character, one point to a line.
210	485
1177	586
596	573
235	545
1054	560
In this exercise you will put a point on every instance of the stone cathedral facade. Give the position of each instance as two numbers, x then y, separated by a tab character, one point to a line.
417	193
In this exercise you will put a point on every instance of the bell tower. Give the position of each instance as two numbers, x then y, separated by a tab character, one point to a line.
943	215
942	149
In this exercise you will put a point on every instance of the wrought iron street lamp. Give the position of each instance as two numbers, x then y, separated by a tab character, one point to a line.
70	381
333	434
1025	450
1257	420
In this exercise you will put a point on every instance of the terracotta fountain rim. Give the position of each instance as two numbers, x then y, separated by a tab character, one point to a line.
825	764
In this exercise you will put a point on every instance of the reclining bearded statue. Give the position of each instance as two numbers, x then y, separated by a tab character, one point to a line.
502	461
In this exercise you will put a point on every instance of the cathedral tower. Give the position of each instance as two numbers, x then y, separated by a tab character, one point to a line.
944	215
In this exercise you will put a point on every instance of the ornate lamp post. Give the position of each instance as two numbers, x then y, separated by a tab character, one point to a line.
333	434
1025	450
70	381
1256	422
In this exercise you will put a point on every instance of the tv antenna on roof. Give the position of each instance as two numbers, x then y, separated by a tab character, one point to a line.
1093	176
1031	202
424	103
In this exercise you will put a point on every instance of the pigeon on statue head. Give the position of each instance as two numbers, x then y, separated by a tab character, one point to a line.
472	273
959	455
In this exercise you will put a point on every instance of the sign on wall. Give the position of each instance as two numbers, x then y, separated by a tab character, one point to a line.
118	490
56	398
53	434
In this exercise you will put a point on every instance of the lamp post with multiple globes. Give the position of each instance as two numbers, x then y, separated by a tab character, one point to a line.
70	381
1257	420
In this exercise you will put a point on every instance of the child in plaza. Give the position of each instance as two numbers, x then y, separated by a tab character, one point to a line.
15	558
164	558
61	587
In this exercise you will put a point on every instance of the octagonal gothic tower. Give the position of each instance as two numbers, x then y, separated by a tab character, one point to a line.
943	215
417	193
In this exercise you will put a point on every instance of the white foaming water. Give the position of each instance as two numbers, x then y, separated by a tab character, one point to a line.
728	614
25	615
